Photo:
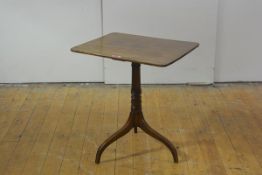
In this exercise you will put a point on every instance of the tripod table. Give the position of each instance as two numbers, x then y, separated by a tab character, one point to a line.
138	50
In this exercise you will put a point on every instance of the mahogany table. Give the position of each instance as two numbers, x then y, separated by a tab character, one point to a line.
138	50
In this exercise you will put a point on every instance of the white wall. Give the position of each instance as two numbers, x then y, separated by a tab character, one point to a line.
191	20
36	37
239	40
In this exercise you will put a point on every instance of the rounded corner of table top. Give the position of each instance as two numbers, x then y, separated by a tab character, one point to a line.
123	47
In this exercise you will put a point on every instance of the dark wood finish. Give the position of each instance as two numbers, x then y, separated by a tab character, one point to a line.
136	119
138	49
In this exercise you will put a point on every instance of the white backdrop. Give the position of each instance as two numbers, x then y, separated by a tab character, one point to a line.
239	41
36	37
191	20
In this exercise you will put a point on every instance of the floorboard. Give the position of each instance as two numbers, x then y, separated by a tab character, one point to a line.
56	129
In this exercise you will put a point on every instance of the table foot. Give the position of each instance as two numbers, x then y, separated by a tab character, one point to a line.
135	121
153	133
121	132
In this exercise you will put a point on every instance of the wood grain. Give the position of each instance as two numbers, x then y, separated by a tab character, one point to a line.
137	49
56	129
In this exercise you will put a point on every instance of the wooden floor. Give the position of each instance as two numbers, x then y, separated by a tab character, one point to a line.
56	129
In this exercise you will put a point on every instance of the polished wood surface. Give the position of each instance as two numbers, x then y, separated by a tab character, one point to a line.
138	49
52	129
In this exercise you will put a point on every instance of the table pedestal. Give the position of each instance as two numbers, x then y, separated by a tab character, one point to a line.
136	119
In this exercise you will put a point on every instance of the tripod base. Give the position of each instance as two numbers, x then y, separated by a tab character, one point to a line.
136	119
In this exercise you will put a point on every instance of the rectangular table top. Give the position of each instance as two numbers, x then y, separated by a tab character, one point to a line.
138	49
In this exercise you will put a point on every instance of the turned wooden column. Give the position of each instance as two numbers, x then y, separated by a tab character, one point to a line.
136	107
